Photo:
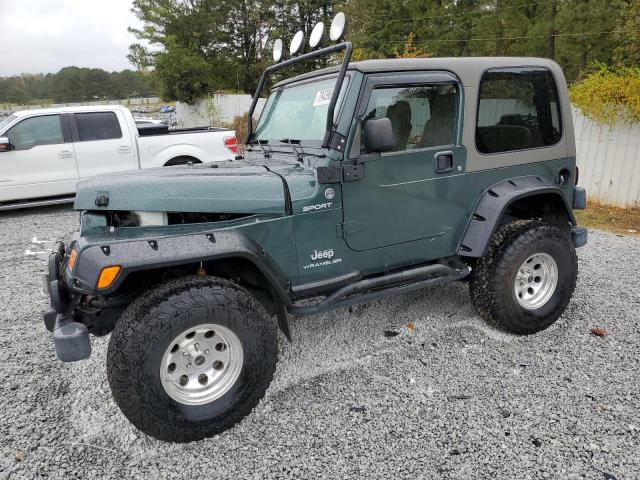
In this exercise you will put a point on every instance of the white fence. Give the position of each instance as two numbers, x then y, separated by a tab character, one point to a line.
609	161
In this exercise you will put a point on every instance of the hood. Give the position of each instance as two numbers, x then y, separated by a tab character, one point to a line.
227	187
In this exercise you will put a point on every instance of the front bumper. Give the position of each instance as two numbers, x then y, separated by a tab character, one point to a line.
70	339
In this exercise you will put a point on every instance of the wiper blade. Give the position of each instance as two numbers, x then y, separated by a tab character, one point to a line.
262	144
293	142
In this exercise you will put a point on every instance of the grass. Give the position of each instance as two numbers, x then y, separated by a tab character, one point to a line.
612	219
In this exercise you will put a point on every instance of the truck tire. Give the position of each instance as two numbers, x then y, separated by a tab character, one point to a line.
191	358
527	277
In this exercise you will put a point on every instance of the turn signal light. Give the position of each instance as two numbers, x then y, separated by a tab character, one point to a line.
231	143
72	259
107	276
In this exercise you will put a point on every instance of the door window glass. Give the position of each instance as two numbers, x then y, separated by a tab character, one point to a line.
518	109
36	131
421	116
98	126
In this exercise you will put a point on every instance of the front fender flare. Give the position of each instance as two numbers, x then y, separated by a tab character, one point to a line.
492	205
166	251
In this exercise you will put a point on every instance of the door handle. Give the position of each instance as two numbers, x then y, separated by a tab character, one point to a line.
124	149
443	161
65	154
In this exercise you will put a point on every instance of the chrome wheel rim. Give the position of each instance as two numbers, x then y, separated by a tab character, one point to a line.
201	364
536	280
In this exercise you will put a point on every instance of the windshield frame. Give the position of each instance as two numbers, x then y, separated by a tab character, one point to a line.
340	105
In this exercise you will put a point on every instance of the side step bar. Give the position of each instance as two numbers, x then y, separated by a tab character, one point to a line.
372	288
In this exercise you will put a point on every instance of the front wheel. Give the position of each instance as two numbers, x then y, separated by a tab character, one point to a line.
191	358
526	279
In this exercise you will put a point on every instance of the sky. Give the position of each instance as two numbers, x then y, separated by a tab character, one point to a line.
42	36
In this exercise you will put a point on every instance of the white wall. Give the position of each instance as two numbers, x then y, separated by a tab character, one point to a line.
230	106
609	161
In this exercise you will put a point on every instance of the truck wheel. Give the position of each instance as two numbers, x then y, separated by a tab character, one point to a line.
526	279
191	358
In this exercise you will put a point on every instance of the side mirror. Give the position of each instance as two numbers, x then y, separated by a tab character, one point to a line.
378	135
5	144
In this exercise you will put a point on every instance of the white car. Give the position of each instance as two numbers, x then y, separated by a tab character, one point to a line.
43	153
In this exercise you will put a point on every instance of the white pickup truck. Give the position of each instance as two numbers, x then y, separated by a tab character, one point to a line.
43	153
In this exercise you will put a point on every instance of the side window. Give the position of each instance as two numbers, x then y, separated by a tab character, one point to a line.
421	116
98	126
36	131
518	109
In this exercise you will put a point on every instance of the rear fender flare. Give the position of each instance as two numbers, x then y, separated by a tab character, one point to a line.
493	204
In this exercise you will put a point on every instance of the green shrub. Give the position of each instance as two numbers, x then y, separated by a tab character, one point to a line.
607	94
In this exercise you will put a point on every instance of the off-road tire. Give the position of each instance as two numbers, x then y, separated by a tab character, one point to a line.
492	280
149	325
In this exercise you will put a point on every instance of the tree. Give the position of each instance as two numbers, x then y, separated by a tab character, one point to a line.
573	32
627	51
202	46
584	23
73	84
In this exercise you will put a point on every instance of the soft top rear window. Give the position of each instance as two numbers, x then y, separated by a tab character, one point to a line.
518	109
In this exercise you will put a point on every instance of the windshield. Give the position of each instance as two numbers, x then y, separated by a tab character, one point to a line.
298	112
6	121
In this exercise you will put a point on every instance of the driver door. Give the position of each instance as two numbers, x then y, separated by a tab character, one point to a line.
408	194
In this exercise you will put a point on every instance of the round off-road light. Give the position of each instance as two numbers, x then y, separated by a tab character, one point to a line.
278	48
317	35
297	42
338	27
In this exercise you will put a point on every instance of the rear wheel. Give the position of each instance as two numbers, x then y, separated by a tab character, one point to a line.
527	278
191	358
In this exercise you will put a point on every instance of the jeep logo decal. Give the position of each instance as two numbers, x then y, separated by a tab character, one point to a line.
322	254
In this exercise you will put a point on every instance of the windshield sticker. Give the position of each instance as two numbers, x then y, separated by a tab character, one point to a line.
323	97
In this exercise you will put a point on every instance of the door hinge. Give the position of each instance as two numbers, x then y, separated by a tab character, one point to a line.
346	173
351	173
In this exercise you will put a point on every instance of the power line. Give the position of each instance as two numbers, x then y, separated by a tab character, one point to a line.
472	12
515	38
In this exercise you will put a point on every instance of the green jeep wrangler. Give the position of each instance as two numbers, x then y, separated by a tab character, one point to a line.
360	181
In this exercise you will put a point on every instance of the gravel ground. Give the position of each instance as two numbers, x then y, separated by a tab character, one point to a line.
451	398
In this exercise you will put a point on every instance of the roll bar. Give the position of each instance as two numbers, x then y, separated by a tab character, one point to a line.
346	46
